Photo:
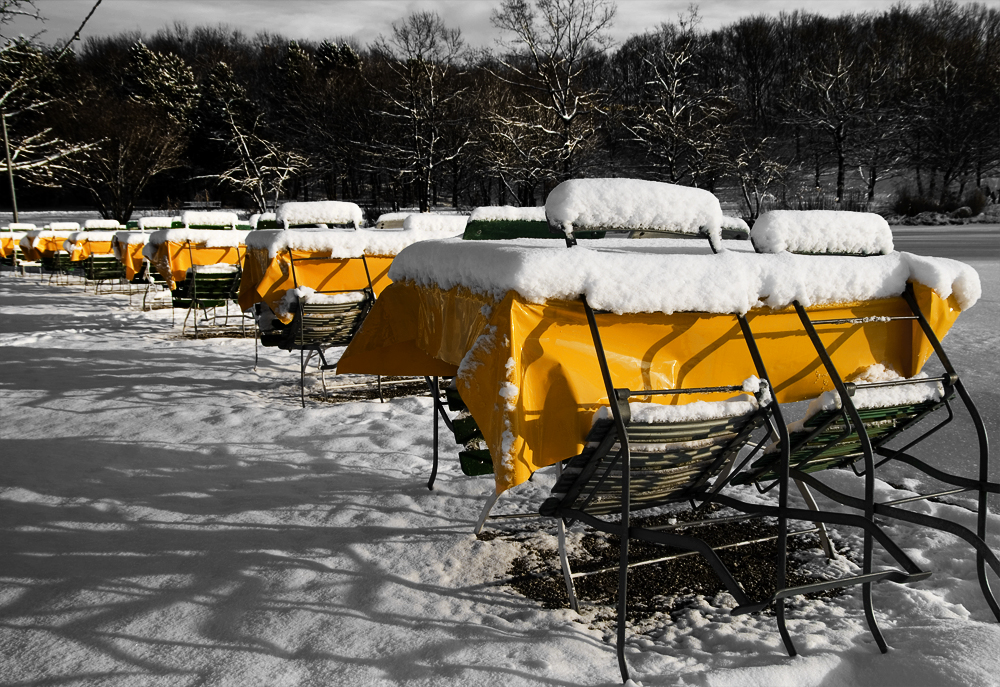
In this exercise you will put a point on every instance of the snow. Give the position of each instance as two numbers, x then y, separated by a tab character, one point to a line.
155	222
879	396
209	238
391	220
625	276
20	226
214	269
339	243
90	235
257	218
822	231
696	411
735	224
320	212
101	224
496	213
63	226
307	294
132	237
31	238
173	517
195	218
632	204
432	223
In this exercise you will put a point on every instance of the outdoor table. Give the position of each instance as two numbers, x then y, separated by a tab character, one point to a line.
127	246
172	252
505	318
325	260
44	243
8	240
81	245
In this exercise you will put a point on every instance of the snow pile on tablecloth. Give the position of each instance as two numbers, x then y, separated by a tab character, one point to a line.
194	218
822	231
625	276
633	204
101	224
78	236
32	238
156	222
496	213
439	225
320	212
338	243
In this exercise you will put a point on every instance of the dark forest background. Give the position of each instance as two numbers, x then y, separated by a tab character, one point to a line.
895	111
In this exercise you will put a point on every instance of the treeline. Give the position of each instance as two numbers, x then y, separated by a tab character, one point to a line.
769	111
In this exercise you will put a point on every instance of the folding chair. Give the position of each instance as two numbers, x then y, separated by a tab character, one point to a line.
102	268
319	325
474	458
856	428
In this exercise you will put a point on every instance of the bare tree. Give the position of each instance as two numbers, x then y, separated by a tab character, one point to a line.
421	91
555	44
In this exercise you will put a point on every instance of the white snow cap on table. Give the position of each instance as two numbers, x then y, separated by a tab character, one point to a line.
129	237
822	231
259	217
209	238
661	280
338	243
102	224
209	219
288	302
320	212
80	236
433	223
156	222
633	204
63	226
493	213
20	226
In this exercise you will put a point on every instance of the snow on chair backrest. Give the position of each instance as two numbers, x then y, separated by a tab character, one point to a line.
822	232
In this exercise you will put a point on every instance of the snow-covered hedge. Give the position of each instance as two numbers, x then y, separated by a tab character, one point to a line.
658	280
63	226
822	231
635	205
432	223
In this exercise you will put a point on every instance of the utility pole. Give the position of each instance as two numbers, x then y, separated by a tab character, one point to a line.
10	167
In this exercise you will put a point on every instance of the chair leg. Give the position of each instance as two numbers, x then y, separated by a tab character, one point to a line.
567	572
824	538
432	382
487	508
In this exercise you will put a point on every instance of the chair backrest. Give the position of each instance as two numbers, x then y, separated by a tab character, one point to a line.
827	439
329	324
204	289
669	463
101	267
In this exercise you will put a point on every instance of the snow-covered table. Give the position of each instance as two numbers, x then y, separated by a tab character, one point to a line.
172	252
505	317
9	239
45	243
81	245
279	260
127	246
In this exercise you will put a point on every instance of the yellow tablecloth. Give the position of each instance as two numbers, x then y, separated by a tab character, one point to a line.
173	258
130	255
84	248
532	381
45	247
7	244
266	279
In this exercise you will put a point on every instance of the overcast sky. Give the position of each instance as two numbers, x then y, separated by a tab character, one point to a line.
366	19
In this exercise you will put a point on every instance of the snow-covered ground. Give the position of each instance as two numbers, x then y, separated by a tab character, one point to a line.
168	516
